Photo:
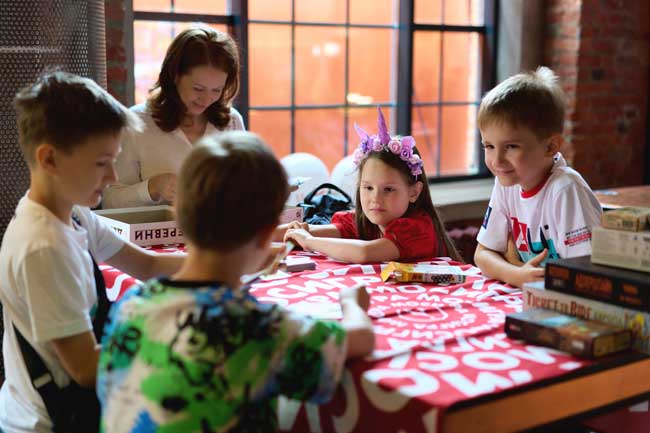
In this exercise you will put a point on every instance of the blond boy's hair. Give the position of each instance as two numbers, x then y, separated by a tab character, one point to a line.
230	188
531	99
65	110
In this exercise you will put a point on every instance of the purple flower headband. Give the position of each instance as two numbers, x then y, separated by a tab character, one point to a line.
382	141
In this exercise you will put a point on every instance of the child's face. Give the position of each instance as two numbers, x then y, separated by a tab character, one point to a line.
200	87
83	174
515	155
385	194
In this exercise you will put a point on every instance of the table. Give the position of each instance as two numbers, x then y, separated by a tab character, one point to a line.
442	362
626	196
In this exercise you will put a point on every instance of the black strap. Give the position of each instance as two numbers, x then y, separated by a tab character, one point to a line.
54	397
330	186
103	304
40	376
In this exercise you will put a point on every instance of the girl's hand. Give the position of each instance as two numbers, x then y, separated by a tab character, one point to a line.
357	294
299	235
298	225
162	187
531	271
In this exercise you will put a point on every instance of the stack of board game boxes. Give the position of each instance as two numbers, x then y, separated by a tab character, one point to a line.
594	305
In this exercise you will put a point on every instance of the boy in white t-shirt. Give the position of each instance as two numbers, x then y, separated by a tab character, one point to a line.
69	132
540	208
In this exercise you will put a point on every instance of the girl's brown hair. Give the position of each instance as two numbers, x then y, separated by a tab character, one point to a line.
191	48
369	231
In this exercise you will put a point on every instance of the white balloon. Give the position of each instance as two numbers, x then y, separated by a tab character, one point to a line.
308	166
345	176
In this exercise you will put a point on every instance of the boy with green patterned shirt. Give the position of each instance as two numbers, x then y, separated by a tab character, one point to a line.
196	352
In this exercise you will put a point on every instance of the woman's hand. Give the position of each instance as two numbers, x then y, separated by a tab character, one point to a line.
299	235
162	187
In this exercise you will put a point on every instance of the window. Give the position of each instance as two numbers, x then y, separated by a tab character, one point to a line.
312	68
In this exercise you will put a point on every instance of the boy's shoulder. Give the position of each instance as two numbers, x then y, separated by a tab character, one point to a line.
563	177
33	227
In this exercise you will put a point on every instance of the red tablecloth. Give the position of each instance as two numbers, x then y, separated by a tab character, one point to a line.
435	346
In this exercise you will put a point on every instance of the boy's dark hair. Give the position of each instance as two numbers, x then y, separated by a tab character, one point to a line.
230	187
369	231
532	99
194	47
64	110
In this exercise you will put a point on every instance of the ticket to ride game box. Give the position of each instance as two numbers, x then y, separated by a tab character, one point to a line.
571	334
156	225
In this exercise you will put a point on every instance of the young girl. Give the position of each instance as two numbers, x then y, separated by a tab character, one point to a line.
394	218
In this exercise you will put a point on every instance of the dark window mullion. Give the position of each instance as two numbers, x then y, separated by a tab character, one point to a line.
405	68
239	28
182	17
293	77
440	87
346	82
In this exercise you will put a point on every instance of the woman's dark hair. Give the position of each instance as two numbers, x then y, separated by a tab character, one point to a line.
191	48
369	231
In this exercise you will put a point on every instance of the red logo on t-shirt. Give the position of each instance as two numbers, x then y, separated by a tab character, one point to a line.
519	231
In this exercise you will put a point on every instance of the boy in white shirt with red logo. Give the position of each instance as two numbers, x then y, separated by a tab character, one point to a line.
540	208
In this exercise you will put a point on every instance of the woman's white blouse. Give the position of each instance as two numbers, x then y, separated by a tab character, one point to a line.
149	153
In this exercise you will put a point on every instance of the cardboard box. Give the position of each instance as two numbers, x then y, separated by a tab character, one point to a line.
630	250
638	322
567	333
155	225
627	218
578	276
291	213
422	273
146	225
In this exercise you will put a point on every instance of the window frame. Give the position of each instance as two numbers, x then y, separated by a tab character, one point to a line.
237	21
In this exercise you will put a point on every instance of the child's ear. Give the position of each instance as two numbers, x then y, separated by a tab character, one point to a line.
45	156
415	191
554	144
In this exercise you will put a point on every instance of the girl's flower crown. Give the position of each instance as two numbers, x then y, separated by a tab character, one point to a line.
382	141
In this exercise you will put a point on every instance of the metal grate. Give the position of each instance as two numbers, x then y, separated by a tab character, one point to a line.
36	36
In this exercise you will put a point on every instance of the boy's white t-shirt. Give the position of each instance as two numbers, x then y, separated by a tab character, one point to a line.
559	217
47	289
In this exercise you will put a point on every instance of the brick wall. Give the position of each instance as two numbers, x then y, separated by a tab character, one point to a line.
600	50
115	49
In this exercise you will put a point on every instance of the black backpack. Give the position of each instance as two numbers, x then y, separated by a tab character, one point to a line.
318	209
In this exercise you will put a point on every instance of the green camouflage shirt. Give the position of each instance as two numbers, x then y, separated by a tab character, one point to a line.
177	357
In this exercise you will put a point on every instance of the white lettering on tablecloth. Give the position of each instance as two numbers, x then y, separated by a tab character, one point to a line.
395	399
486	382
490	361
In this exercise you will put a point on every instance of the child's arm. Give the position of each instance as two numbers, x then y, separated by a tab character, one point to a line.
326	231
511	255
348	250
358	326
143	264
494	265
79	356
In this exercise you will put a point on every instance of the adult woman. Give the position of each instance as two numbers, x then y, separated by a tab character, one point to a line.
198	80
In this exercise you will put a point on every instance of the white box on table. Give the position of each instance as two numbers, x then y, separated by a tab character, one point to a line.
623	249
156	225
144	225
